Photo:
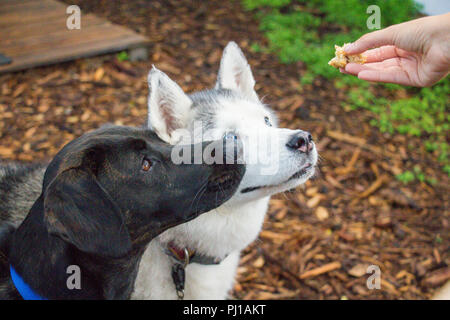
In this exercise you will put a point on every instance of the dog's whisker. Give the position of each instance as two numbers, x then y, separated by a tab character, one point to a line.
200	198
203	186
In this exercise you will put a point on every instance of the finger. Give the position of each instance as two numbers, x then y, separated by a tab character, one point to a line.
342	70
394	62
371	40
381	54
355	68
388	76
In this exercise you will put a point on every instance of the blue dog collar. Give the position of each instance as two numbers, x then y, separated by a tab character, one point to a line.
25	291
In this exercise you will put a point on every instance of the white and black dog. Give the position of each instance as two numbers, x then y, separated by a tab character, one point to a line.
276	160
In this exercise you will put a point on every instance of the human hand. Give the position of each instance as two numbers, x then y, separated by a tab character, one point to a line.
413	53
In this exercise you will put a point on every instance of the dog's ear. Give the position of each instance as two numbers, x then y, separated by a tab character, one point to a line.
168	106
235	72
79	210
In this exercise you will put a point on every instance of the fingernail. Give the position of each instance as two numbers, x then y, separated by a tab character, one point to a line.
349	47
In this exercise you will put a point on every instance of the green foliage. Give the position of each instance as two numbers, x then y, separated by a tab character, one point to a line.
307	30
253	4
447	169
416	174
123	56
406	177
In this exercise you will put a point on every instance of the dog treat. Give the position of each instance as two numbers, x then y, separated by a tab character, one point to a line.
341	59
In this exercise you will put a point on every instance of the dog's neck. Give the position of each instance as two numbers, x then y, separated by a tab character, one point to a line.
238	225
42	261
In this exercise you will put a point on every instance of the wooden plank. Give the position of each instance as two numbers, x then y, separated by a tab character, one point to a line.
20	18
70	53
22	6
60	37
68	43
13	3
69	38
30	30
34	33
6	2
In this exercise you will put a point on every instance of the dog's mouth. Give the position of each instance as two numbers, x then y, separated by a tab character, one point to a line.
299	174
223	181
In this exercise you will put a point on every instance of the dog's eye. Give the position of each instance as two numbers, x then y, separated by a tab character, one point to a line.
146	165
267	121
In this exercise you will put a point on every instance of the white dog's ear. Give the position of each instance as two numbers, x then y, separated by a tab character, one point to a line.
168	106
235	72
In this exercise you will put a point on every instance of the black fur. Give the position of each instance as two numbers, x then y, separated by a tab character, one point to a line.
98	210
20	186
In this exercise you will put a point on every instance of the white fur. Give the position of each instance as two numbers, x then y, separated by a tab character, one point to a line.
166	99
219	232
235	72
443	293
227	230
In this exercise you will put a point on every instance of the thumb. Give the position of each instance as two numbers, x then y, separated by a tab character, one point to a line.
371	40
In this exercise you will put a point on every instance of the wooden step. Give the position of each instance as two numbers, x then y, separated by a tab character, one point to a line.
34	33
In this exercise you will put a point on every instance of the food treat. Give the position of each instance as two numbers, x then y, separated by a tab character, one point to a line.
341	59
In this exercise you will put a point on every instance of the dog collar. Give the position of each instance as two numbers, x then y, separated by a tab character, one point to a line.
24	290
182	257
186	255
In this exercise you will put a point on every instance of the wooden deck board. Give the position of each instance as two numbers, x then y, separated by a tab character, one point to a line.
39	28
34	33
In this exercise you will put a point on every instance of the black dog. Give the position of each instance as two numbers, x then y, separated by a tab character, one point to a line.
105	195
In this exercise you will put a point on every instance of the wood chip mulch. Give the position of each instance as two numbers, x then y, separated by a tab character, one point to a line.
317	241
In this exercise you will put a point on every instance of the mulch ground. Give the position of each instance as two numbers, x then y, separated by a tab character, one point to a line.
318	240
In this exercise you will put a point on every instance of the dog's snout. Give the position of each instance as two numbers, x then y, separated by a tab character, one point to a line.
301	141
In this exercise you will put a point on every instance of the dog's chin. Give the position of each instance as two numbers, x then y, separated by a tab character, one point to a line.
257	192
298	179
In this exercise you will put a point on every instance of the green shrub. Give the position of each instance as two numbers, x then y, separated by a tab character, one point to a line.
123	56
253	4
406	177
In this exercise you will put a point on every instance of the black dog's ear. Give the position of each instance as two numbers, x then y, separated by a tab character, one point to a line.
81	212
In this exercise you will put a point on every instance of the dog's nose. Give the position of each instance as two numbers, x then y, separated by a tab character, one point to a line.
301	141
